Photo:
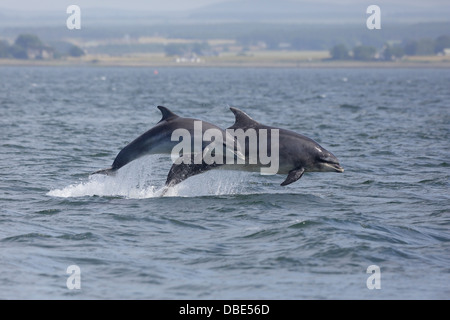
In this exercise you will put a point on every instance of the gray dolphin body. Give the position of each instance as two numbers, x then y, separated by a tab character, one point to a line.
297	154
158	140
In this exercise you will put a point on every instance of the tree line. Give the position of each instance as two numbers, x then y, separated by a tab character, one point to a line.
392	51
29	46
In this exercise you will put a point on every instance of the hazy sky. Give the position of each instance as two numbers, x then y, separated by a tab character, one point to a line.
157	5
174	5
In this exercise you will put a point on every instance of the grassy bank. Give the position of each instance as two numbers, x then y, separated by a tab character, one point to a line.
289	59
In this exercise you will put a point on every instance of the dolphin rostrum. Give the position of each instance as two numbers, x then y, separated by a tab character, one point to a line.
297	154
159	140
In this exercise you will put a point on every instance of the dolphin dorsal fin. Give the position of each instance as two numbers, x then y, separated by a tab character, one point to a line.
166	114
243	120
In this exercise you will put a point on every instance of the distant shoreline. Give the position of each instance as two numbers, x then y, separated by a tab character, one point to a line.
225	63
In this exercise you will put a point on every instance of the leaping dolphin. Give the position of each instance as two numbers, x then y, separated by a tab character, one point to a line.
297	154
158	140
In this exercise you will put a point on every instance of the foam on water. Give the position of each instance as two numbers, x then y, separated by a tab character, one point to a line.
132	183
111	186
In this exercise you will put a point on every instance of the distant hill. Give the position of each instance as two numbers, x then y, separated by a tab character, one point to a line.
281	10
309	11
273	11
300	25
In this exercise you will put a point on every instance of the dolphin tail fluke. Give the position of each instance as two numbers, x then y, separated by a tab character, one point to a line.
180	172
108	171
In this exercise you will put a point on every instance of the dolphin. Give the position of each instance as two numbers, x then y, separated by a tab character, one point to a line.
297	154
158	140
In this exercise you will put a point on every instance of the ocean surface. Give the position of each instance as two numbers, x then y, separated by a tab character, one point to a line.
224	234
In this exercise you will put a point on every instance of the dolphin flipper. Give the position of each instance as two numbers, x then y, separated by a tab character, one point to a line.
293	176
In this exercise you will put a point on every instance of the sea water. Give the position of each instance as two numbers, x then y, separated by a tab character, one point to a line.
224	234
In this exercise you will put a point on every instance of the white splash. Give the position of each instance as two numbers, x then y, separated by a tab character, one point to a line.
133	183
106	186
